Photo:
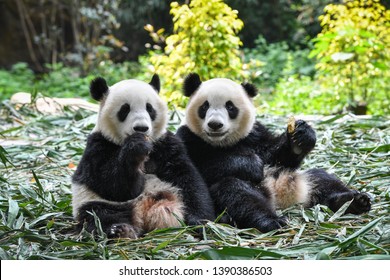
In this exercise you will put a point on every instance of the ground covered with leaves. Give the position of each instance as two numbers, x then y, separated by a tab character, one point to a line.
38	155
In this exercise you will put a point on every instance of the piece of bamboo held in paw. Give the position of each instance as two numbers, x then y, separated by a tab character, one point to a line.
291	125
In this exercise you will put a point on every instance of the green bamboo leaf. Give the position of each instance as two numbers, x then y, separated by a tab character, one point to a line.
332	119
359	233
238	253
340	212
381	148
325	253
4	159
368	257
13	211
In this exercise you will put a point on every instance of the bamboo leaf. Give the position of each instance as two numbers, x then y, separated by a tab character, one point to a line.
238	253
359	233
13	211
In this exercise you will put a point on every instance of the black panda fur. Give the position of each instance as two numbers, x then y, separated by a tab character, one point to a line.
140	179
250	171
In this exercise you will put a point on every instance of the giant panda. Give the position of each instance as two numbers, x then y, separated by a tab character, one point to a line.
250	171
134	175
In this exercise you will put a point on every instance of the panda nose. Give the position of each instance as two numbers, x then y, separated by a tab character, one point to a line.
215	125
141	128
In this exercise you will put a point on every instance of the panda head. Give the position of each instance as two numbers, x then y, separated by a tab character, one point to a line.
220	111
129	106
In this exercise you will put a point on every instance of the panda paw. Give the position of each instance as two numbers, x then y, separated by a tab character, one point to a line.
361	203
122	231
269	224
138	145
302	137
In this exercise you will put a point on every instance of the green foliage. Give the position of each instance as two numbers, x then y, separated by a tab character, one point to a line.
19	78
275	20
204	40
353	52
63	81
267	63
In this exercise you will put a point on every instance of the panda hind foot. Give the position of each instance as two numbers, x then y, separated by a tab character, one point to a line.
122	230
361	204
269	224
159	209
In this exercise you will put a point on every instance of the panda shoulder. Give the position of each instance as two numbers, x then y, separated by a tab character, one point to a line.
184	133
259	132
168	143
97	138
98	146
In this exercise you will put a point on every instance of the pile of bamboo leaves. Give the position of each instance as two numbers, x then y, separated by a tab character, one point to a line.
38	155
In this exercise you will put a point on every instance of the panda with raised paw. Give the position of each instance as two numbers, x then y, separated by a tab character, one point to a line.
250	171
134	175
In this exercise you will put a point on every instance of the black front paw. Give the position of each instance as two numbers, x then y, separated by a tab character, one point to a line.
302	137
138	145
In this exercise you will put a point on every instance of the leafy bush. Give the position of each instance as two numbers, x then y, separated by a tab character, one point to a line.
204	40
297	94
353	52
266	63
63	81
300	95
19	78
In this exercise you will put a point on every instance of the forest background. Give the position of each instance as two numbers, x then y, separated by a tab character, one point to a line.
312	57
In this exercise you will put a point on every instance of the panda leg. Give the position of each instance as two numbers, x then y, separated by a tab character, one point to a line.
117	220
328	190
159	206
248	206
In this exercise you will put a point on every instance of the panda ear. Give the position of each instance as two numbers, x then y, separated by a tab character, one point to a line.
98	88
155	82
191	83
250	89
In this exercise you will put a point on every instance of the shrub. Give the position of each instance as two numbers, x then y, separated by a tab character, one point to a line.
204	40
266	63
18	78
63	81
353	53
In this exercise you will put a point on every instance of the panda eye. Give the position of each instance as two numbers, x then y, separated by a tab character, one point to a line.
205	106
229	106
203	109
149	107
151	111
123	112
232	109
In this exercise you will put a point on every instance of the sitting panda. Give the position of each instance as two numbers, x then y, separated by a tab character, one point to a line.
134	175
251	172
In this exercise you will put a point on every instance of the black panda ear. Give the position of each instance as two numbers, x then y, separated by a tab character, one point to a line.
191	83
98	88
250	89
155	82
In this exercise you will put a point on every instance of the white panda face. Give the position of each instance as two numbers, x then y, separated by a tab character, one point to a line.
131	106
220	112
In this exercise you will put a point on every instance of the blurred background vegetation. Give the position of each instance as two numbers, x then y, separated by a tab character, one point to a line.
310	57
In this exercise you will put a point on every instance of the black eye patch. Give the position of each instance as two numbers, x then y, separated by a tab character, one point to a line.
151	111
232	109
123	112
203	109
